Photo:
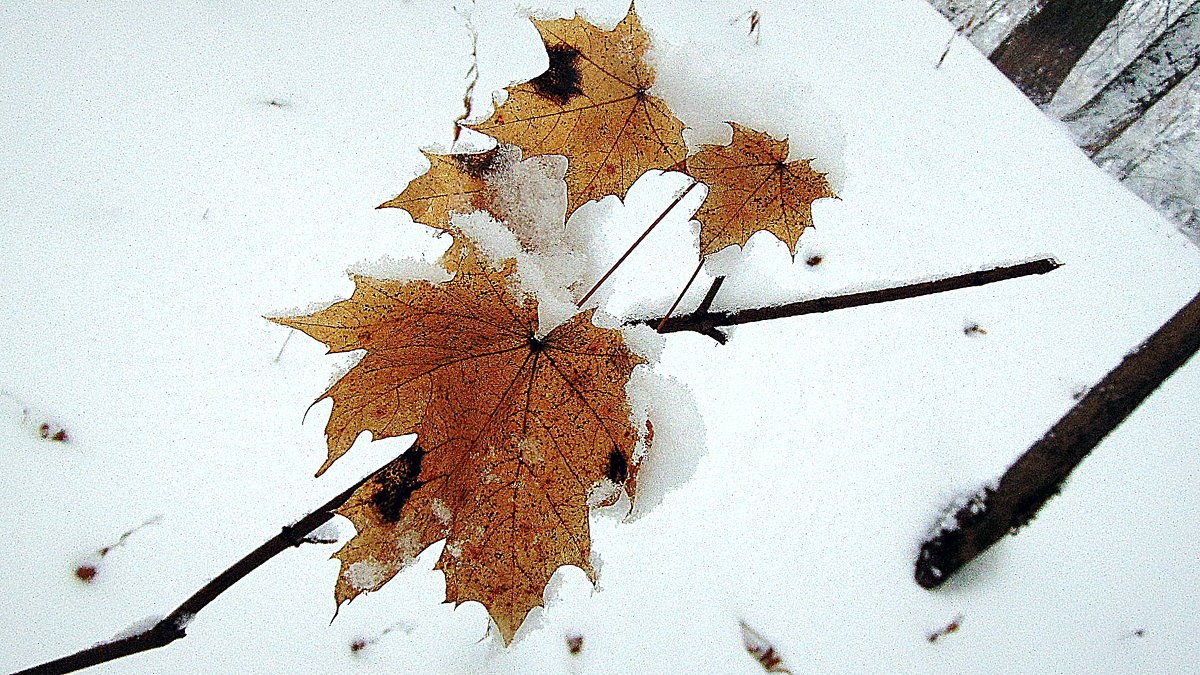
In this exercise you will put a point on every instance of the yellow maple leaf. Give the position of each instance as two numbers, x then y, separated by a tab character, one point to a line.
592	106
752	187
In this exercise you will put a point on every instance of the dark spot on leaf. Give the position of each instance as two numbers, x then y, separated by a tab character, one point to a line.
536	346
476	164
397	484
618	467
560	82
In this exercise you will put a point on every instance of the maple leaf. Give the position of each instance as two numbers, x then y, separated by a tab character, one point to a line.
453	184
514	431
752	187
592	106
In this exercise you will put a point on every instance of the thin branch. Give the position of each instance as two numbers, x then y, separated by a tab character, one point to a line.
707	322
678	198
714	333
173	627
710	295
1038	474
682	293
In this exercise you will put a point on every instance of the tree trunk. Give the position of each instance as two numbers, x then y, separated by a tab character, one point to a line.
1039	54
1154	73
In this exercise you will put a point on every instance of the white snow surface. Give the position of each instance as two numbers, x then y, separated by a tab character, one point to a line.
175	171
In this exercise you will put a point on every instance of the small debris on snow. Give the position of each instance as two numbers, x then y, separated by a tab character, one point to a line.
86	572
951	627
48	433
762	650
42	424
358	644
972	329
574	643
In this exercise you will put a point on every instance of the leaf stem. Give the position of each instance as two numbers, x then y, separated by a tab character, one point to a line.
173	627
617	264
707	322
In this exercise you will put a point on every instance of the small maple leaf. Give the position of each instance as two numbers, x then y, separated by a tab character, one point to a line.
752	187
453	184
592	106
515	430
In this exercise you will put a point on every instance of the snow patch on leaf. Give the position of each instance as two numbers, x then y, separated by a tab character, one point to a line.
366	575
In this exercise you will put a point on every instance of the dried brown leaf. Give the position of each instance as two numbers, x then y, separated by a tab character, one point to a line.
592	106
515	429
454	184
752	187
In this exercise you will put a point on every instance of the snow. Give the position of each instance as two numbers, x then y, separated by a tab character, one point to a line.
366	574
137	627
156	206
327	533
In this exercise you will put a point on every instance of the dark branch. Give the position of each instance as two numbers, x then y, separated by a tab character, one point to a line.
174	626
1038	474
710	295
706	322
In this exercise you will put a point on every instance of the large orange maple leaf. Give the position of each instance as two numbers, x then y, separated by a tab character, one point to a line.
514	431
592	106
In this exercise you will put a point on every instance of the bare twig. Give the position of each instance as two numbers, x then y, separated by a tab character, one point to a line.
1038	474
678	198
681	294
173	627
763	651
472	73
707	322
710	295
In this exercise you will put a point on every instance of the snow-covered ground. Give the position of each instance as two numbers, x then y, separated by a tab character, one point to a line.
174	171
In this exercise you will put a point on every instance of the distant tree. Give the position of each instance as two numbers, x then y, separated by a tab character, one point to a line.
1040	52
1166	62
